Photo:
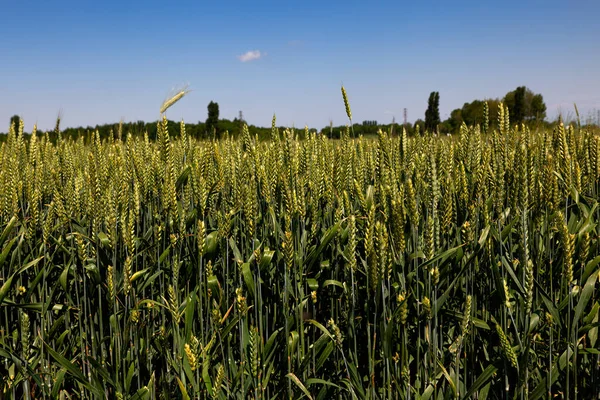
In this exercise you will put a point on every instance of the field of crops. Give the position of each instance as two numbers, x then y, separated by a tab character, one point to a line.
387	268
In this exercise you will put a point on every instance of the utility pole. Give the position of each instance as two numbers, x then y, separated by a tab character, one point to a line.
405	117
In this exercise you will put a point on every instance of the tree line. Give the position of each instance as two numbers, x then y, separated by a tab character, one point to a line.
212	127
524	106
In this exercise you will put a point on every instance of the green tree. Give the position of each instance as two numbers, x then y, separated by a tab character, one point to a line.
455	120
518	112
16	120
212	122
432	114
473	114
538	108
533	106
436	109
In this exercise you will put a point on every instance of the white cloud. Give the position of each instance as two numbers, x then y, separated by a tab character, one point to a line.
250	56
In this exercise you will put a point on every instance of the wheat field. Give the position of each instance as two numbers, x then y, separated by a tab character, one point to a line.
388	268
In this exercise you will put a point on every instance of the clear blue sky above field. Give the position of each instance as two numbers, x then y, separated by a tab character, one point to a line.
102	61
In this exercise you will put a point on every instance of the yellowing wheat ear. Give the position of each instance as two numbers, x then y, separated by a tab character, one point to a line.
348	111
174	99
346	103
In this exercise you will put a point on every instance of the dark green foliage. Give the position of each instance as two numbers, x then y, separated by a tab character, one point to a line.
212	121
537	108
472	114
15	119
524	104
432	114
518	111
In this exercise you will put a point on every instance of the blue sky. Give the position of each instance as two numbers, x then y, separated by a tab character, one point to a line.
102	61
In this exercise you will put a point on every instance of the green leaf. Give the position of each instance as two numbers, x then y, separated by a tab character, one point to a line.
73	370
448	378
248	278
129	377
183	178
590	350
231	325
267	257
324	356
141	394
313	284
139	274
190	308
317	381
589	268
586	294
314	254
484	236
6	251
104	240
593	332
7	229
214	285
481	380
6	287
19	363
38	307
152	302
443	257
439	302
269	349
164	255
206	374
236	252
63	278
515	280
590	317
149	281
100	370
293	342
211	243
330	282
533	323
549	305
356	380
57	384
388	340
321	327
295	379
182	389
427	393
29	265
559	365
267	378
